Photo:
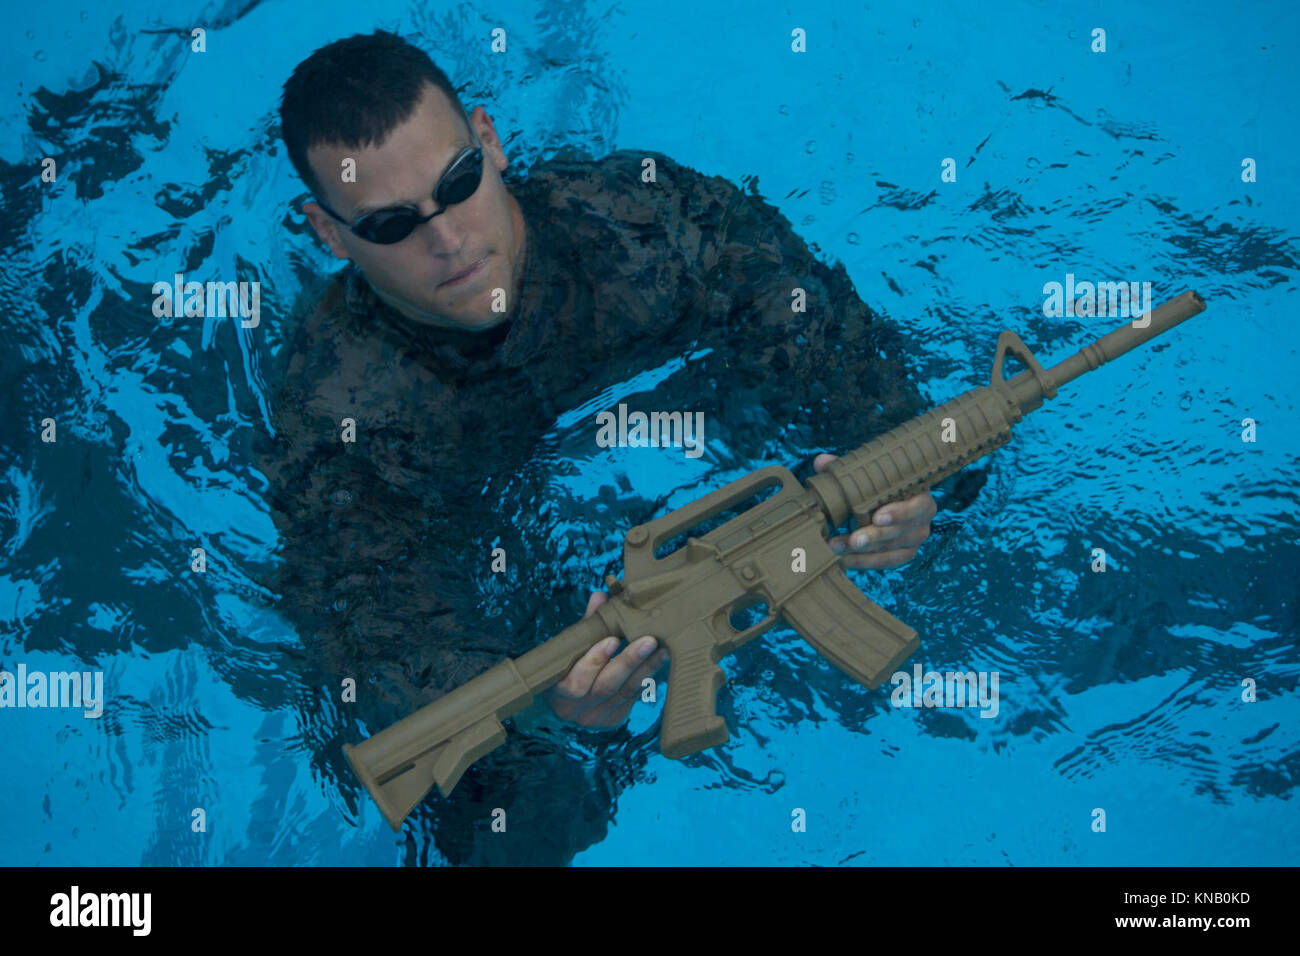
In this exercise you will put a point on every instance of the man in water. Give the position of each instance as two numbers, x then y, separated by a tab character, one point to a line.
474	313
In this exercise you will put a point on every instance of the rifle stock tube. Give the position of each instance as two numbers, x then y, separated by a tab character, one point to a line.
439	741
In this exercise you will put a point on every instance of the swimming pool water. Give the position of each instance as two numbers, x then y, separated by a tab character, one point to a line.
1120	691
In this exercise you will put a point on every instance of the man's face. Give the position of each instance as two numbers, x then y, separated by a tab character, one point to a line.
412	275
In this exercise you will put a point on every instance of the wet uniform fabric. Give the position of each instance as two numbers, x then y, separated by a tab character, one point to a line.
386	542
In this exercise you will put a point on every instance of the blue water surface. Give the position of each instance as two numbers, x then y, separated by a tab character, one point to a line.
1119	691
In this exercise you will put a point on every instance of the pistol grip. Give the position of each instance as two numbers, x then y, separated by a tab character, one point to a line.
691	722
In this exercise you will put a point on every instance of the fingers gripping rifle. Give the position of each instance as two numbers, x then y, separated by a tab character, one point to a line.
775	552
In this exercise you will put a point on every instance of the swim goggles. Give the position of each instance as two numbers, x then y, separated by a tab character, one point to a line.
395	223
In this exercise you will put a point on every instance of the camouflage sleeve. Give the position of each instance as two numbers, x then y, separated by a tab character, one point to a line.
361	571
832	375
337	544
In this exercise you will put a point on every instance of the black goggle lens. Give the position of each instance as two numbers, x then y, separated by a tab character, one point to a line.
461	180
387	226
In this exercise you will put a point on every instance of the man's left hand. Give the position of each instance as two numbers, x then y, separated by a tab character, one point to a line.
896	530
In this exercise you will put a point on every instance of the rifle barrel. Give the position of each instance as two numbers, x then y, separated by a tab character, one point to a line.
1127	337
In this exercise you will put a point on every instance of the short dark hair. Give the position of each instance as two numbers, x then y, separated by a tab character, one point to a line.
355	92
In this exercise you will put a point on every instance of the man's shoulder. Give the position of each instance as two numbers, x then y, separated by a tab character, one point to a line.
319	304
575	163
631	183
327	364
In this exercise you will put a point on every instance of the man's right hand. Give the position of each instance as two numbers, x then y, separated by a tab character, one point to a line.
600	689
